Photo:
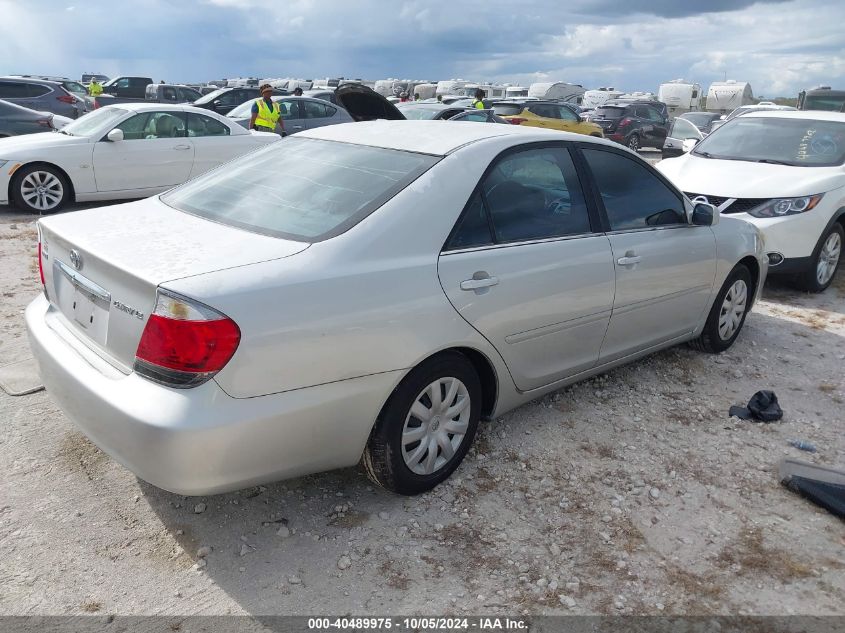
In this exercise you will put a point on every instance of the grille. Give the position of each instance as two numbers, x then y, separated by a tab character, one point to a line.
740	205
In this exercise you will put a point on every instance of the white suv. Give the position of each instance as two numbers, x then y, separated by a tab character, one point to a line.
783	172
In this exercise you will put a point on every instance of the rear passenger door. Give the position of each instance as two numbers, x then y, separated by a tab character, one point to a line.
528	268
665	266
318	114
212	143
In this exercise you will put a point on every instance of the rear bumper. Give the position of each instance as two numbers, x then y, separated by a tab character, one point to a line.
202	441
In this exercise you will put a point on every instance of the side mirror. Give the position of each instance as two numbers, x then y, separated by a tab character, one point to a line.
689	143
115	135
704	214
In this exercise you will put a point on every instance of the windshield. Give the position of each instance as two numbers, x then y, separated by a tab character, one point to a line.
93	121
327	188
798	142
74	87
418	113
824	102
608	112
699	119
211	96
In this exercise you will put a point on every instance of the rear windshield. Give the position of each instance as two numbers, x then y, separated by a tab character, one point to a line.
301	189
420	113
507	109
608	112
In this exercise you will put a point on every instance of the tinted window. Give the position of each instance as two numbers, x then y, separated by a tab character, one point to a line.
37	90
683	129
314	110
507	110
327	187
532	194
653	115
189	94
633	197
168	93
608	112
473	228
122	83
568	115
544	110
200	125
234	97
12	90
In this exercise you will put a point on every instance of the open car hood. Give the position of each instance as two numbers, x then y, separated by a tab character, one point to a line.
365	104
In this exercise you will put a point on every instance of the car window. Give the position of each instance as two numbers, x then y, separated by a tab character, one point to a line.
12	90
234	97
507	109
37	90
544	110
528	195
567	115
188	94
482	117
201	125
153	125
134	127
168	93
633	196
290	109
314	110
327	187
683	129
653	115
122	83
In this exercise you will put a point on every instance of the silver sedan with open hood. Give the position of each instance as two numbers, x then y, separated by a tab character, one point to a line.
367	292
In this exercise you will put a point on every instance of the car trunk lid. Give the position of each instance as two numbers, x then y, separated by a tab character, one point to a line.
365	104
102	267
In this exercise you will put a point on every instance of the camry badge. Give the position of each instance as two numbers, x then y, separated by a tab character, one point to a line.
76	259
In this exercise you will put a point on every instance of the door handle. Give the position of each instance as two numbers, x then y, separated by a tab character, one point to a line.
296	127
182	147
478	284
630	259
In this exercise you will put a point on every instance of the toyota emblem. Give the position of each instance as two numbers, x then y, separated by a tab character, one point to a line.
76	259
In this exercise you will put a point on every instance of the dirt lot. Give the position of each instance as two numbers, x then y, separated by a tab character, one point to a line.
630	493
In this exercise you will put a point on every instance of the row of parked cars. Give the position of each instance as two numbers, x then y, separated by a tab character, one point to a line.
366	293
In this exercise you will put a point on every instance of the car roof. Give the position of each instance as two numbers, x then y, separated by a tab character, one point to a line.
434	137
30	80
810	115
145	107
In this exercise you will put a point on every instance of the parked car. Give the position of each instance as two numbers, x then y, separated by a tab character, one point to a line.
240	348
741	110
661	107
88	77
318	93
16	120
41	95
73	87
783	172
224	100
154	93
429	111
129	87
682	137
298	113
702	120
479	116
545	114
822	98
117	152
634	125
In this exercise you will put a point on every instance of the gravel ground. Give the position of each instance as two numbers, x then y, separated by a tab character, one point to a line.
631	493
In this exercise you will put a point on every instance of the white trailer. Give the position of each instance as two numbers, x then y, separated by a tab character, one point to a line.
726	96
559	90
595	98
426	90
491	91
680	96
450	86
384	87
512	92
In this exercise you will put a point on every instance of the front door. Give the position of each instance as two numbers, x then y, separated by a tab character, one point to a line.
292	116
155	153
526	268
665	266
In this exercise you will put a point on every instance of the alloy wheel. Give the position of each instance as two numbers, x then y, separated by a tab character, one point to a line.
828	258
42	190
733	309
634	143
436	425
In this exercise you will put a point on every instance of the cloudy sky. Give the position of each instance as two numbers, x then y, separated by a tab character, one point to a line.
779	46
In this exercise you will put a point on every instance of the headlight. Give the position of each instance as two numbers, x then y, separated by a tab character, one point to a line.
785	206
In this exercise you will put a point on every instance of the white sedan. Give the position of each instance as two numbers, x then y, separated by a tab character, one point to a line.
118	152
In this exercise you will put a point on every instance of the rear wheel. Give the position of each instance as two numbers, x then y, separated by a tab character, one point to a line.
39	189
727	316
427	426
634	142
828	254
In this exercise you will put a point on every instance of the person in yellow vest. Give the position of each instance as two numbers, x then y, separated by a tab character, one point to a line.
266	113
94	88
478	102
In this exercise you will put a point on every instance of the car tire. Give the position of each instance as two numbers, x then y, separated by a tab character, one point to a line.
633	142
727	315
400	453
826	259
28	197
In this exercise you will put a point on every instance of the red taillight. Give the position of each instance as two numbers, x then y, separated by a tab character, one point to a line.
96	104
66	98
625	121
516	120
184	342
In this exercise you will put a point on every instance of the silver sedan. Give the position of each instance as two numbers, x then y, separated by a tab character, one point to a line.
369	292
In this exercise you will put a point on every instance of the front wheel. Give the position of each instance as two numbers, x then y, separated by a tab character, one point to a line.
39	189
426	427
727	316
827	256
634	142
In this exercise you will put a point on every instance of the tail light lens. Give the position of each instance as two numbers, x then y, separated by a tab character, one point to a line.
96	104
625	121
66	98
516	120
185	343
